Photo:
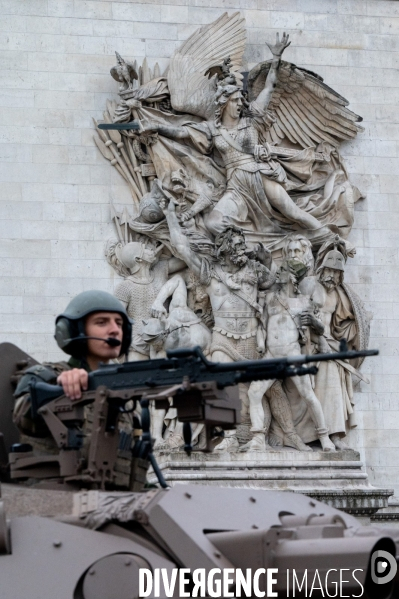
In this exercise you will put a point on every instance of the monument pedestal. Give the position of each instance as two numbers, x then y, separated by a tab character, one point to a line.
337	479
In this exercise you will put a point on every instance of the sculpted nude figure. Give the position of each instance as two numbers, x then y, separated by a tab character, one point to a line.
287	313
232	283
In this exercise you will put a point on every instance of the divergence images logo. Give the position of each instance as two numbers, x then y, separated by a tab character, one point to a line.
383	567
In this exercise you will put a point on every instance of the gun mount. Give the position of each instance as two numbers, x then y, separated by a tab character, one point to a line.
201	391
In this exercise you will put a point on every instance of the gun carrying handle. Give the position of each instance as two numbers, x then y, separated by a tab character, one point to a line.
188	353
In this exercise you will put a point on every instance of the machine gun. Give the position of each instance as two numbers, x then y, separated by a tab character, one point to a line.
201	391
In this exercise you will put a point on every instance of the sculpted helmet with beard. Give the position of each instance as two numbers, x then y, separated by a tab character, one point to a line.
331	271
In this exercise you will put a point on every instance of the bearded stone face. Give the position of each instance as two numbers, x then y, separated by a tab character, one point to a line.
330	278
295	258
238	249
295	251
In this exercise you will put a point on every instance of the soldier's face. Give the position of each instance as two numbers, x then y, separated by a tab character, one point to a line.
103	325
330	278
234	105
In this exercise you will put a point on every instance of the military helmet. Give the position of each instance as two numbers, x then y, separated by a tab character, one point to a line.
128	253
150	209
333	259
70	325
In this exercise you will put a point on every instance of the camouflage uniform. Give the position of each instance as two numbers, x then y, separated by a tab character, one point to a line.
35	431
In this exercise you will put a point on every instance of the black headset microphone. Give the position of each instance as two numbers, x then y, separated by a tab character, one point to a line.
112	342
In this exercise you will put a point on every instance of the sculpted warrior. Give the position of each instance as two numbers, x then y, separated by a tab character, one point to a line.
145	274
340	314
333	383
232	283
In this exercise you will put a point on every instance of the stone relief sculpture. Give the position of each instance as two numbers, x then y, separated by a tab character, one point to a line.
238	186
145	274
287	312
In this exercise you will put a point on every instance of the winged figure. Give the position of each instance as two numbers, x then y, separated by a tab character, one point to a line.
299	184
190	89
307	111
276	147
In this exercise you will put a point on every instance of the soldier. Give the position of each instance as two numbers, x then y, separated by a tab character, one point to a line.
94	328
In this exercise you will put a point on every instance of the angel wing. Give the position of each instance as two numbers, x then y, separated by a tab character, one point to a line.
307	110
190	90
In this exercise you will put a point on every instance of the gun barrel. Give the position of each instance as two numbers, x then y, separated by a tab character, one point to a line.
133	125
269	364
346	355
193	365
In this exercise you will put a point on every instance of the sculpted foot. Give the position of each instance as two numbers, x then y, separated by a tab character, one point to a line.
296	442
175	441
257	443
339	442
326	443
228	444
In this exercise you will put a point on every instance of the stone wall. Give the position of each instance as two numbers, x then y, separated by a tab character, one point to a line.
55	185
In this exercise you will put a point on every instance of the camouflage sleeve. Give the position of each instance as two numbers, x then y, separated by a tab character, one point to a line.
40	372
22	417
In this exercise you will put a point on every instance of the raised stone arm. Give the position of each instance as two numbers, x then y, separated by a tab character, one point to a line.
178	240
277	50
165	130
175	287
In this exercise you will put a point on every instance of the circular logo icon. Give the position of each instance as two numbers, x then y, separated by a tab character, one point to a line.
383	567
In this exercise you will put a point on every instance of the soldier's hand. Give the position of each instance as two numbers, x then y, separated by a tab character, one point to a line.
74	382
